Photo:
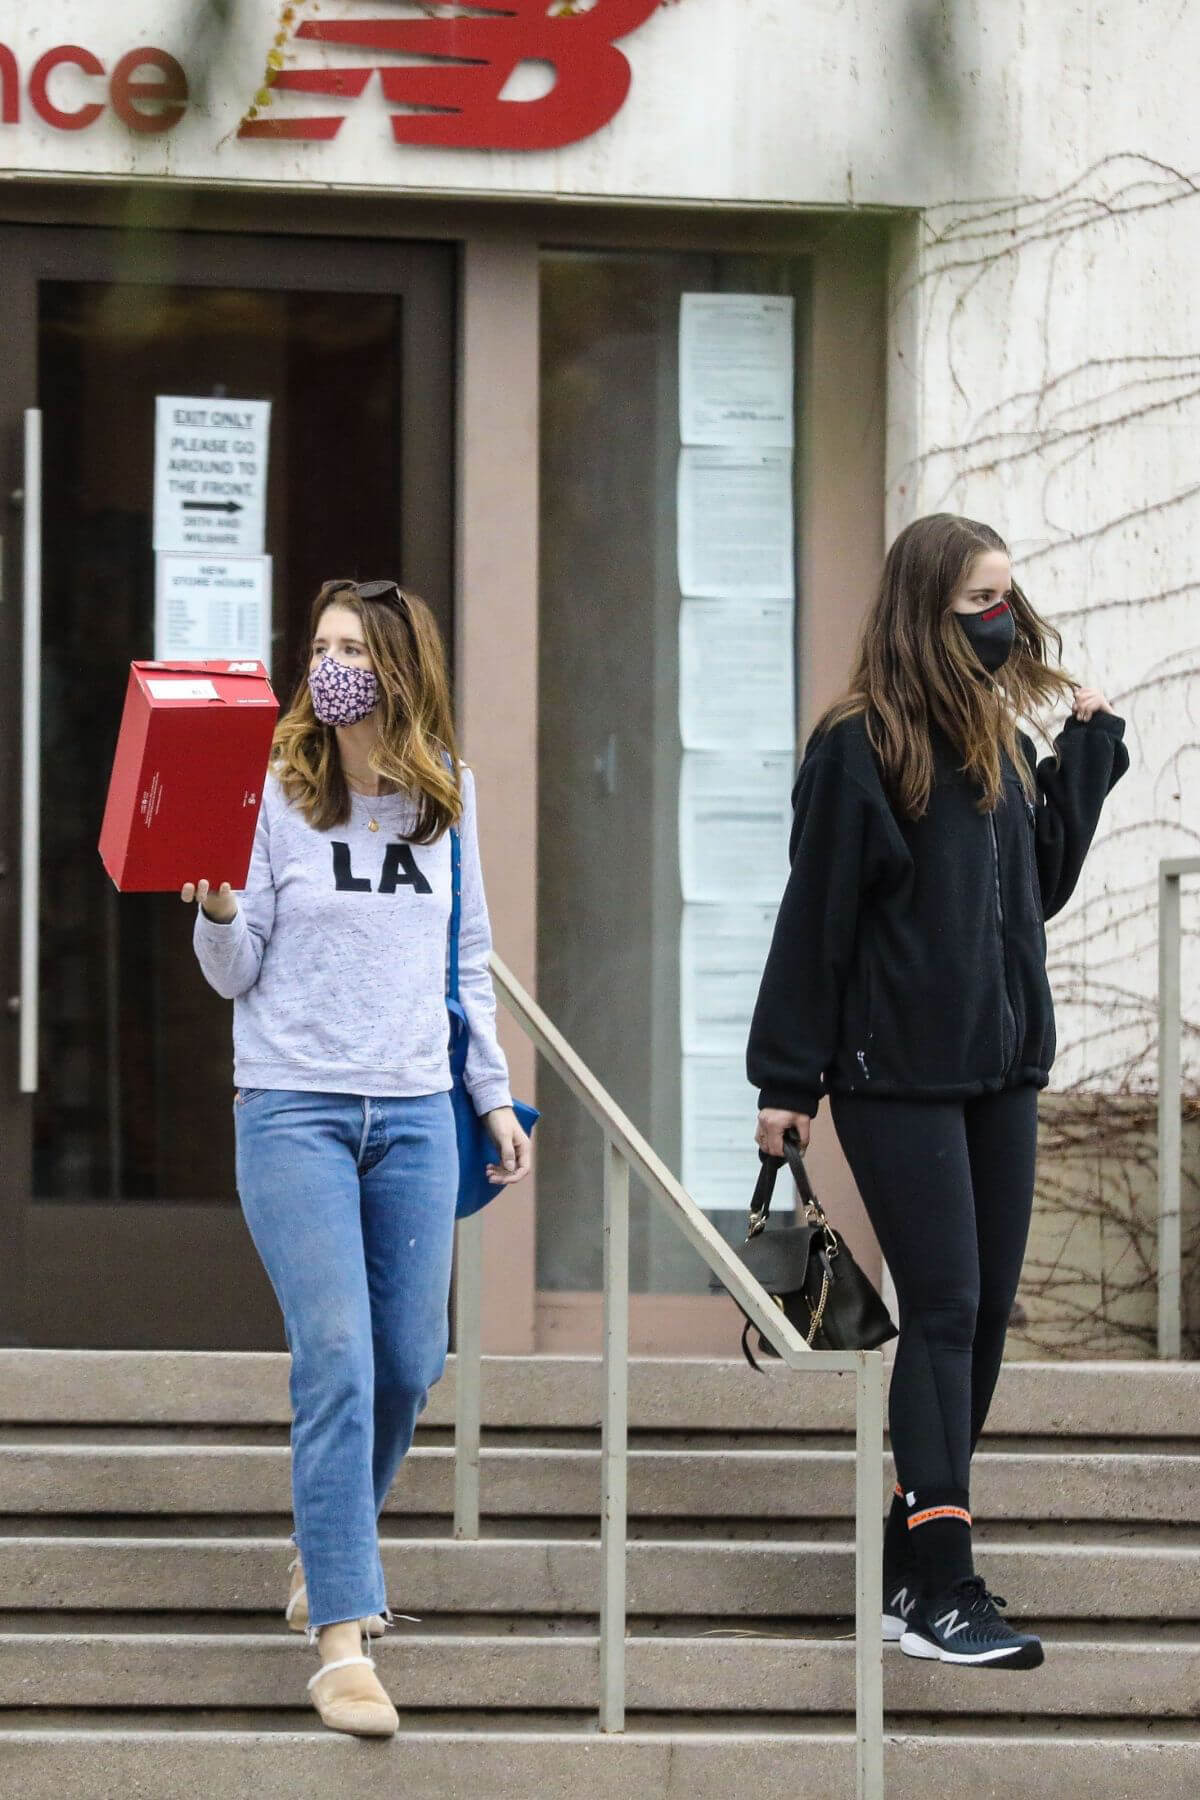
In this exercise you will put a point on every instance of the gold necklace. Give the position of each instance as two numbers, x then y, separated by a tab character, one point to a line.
372	821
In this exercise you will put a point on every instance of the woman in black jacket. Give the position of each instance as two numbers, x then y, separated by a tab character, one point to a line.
907	980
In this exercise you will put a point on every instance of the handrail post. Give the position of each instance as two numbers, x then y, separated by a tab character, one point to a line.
1170	1105
626	1151
468	1356
614	1441
868	1562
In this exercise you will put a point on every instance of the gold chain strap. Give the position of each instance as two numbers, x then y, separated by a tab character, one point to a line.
819	1315
815	1213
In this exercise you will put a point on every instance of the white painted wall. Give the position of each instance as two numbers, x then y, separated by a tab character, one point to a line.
1045	376
1045	360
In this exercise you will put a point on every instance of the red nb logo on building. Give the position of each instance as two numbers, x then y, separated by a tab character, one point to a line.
465	64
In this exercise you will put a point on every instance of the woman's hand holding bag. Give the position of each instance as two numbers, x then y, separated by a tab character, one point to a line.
774	1124
808	1270
513	1143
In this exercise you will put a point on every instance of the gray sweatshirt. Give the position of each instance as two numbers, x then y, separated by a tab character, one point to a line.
336	961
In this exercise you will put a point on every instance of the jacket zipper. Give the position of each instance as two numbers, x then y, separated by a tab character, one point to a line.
861	1055
1012	1017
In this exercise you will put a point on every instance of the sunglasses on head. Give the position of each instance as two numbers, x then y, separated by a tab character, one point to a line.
371	590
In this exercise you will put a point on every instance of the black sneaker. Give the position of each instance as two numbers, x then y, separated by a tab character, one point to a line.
961	1625
899	1600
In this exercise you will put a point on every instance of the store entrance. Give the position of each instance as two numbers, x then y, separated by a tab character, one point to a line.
119	1224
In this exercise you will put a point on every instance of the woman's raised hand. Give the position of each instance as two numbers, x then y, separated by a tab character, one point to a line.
1088	701
220	906
772	1123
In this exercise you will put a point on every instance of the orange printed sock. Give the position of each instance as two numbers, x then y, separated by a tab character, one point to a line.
939	1532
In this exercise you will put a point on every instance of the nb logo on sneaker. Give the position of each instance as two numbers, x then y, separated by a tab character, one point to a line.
903	1602
947	1623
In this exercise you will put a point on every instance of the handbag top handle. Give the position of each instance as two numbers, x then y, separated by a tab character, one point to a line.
764	1191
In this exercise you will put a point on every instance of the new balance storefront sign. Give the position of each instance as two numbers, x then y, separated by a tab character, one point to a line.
69	88
513	75
460	70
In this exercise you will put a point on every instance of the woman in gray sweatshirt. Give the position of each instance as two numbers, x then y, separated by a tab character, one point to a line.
334	955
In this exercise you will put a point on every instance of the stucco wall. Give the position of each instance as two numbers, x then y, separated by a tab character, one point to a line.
1045	376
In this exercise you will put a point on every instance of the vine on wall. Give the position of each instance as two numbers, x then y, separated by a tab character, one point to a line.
1061	401
1090	1283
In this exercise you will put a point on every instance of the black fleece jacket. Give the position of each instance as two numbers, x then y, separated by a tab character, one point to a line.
909	956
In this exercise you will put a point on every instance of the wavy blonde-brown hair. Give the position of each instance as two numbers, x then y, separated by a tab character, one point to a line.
916	669
416	724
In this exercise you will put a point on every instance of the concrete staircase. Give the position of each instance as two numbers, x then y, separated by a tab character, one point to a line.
143	1561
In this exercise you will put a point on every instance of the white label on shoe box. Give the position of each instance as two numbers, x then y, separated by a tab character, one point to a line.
183	690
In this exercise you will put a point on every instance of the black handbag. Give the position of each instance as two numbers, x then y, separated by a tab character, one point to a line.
808	1270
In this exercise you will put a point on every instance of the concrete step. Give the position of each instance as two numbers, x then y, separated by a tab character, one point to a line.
560	1577
777	1674
1088	1400
243	1480
447	1764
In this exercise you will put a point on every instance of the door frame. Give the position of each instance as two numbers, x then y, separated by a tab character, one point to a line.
107	1240
497	593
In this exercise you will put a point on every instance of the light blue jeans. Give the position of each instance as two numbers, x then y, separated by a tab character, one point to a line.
350	1203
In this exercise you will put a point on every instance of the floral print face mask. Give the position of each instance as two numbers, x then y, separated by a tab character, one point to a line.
342	695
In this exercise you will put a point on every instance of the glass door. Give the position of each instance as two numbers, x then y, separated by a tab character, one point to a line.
120	1220
626	964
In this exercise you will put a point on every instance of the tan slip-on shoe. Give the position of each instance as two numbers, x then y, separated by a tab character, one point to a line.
351	1698
295	1613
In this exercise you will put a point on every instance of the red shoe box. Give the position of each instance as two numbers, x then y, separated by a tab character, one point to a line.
187	777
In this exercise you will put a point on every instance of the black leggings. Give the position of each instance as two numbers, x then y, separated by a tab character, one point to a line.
948	1188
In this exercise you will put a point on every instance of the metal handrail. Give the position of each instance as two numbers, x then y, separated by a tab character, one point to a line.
1170	1103
626	1150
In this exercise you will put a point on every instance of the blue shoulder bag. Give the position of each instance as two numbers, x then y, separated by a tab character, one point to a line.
475	1147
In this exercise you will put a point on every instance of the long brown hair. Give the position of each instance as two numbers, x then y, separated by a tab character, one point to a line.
916	669
416	725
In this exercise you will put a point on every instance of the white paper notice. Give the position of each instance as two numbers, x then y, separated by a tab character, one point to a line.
736	533
737	674
736	369
210	474
720	1111
735	818
722	953
212	608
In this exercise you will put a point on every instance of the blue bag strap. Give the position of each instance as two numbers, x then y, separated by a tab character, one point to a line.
455	914
452	999
460	1036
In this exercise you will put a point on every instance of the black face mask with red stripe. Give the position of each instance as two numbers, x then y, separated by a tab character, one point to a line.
991	634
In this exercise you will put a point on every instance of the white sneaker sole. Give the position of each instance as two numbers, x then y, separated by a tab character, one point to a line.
893	1628
913	1644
